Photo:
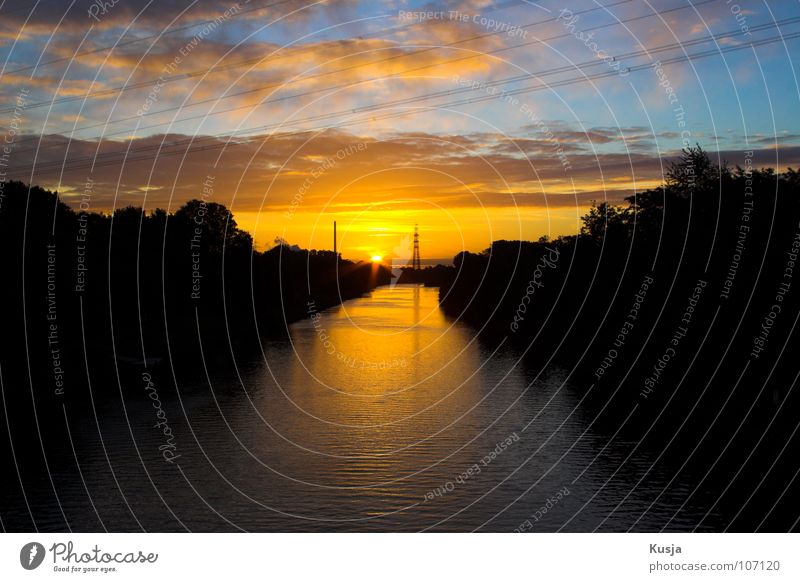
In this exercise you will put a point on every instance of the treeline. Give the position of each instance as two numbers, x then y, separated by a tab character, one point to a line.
433	276
735	232
681	303
99	292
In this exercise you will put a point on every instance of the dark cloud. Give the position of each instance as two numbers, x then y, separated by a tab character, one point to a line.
143	15
461	170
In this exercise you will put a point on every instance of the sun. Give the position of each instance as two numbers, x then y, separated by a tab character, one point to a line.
377	258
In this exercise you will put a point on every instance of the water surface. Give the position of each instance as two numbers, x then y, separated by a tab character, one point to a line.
378	415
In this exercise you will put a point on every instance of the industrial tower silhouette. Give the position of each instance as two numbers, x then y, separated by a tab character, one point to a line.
415	262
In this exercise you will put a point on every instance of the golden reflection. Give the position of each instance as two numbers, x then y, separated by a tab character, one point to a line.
380	388
378	366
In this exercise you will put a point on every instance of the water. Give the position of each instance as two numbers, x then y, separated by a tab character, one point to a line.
378	415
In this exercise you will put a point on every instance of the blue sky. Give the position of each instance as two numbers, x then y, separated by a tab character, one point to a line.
386	28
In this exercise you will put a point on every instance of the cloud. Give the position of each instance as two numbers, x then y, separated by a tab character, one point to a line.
340	168
142	15
209	103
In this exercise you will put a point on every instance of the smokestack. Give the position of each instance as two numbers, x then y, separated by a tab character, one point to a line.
334	239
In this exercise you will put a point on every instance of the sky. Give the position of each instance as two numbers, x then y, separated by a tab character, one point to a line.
476	120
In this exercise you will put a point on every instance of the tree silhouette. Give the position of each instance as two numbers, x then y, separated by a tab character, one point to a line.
214	225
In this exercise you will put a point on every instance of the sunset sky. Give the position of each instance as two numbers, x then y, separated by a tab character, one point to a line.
380	115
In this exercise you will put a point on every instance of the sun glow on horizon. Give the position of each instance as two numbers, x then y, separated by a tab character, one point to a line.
376	258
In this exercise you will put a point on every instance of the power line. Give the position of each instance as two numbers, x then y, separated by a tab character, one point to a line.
461	90
494	8
331	88
526	76
186	151
222	68
405	113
